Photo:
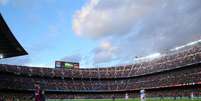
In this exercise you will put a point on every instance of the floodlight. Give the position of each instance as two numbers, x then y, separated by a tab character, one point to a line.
1	56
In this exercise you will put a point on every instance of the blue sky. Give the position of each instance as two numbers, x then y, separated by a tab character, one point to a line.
44	28
99	32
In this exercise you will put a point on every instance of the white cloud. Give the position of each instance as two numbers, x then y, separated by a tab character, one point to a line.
138	27
104	53
101	18
73	58
3	2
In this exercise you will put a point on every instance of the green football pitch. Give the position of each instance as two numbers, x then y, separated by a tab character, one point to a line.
124	99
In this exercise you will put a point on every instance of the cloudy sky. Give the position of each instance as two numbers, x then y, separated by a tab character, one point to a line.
99	32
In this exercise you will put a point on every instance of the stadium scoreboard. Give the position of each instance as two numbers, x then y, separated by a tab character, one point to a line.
66	65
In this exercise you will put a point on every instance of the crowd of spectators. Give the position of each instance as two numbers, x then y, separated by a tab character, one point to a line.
175	93
165	62
173	70
26	97
185	76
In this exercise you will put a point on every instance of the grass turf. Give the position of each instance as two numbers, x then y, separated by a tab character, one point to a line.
150	99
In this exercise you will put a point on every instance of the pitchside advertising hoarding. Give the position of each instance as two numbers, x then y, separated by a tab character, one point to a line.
66	65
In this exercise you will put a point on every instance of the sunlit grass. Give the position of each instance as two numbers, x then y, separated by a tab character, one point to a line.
150	99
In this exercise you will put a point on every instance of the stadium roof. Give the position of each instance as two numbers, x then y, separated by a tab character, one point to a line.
9	46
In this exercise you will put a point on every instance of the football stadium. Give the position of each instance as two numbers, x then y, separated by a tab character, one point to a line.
175	75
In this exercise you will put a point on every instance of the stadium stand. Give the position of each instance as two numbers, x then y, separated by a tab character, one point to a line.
176	74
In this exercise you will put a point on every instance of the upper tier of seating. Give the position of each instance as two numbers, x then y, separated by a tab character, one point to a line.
175	60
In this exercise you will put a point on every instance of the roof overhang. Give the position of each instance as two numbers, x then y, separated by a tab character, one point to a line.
9	46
